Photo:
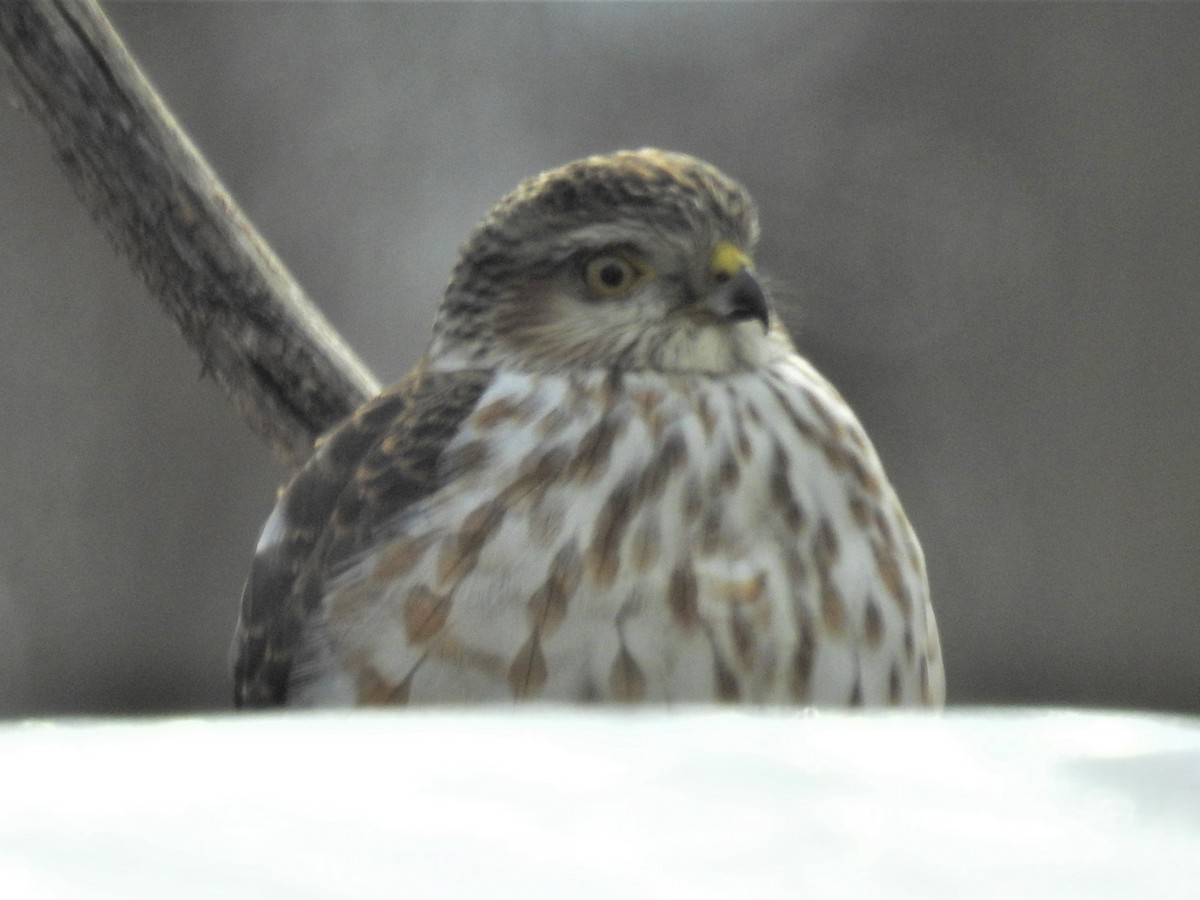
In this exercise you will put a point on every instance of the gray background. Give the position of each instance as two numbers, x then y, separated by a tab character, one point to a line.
987	219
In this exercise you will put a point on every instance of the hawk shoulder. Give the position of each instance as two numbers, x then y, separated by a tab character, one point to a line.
361	477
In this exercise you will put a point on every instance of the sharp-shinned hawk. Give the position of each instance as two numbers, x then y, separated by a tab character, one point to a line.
610	478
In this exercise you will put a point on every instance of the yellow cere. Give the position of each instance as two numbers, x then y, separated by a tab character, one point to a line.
727	260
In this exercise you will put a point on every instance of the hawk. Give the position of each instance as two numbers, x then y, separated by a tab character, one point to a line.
610	478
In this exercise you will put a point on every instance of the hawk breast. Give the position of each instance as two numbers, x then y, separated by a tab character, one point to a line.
640	536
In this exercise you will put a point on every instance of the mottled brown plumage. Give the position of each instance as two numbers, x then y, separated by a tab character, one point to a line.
362	475
610	478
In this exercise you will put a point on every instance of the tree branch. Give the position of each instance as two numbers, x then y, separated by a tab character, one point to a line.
276	357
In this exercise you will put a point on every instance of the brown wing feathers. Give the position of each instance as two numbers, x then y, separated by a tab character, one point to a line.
362	476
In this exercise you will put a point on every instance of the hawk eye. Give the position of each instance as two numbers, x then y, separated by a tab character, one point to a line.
611	274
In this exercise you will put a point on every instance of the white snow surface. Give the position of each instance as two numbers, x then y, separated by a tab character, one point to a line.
569	803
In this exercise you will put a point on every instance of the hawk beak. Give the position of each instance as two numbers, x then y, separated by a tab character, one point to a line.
740	295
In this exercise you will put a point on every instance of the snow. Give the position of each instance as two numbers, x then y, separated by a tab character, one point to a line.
550	802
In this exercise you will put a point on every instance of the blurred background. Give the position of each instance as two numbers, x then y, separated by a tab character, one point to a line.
987	217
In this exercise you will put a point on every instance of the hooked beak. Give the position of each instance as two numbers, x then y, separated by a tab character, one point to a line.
739	296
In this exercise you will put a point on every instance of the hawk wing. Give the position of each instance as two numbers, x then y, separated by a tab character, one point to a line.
362	475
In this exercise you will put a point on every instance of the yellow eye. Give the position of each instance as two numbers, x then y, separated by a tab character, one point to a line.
611	275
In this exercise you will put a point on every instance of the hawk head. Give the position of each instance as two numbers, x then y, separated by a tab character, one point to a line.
638	260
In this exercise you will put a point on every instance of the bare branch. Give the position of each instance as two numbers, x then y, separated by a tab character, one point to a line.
276	357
